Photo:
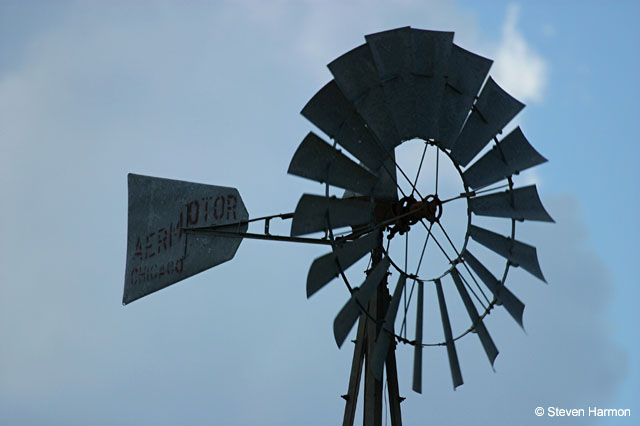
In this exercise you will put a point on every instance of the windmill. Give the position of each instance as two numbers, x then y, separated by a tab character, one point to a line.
401	86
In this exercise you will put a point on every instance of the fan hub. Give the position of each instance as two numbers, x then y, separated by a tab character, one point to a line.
409	211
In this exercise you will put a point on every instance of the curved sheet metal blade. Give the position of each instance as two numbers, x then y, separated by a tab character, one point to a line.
518	253
357	77
512	155
485	339
374	110
313	213
317	160
417	349
328	109
327	267
511	303
350	312
391	52
454	364
355	72
466	72
387	186
334	114
494	109
392	55
521	204
159	251
383	343
431	52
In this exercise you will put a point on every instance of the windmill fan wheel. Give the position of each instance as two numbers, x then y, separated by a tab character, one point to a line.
416	85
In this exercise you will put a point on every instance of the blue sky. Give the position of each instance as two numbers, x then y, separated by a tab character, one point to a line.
211	92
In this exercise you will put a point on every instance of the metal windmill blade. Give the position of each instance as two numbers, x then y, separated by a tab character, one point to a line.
400	85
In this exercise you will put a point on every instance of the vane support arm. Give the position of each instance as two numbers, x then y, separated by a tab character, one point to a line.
230	230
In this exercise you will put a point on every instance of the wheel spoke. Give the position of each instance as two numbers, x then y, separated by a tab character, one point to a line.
463	263
424	247
466	283
437	169
436	241
406	262
415	182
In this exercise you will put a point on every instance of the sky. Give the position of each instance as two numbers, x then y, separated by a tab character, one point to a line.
210	92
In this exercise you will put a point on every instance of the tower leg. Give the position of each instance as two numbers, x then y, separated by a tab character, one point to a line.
356	371
367	335
373	387
393	388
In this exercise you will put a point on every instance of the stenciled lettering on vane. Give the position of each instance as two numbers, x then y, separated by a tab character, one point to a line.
205	211
148	272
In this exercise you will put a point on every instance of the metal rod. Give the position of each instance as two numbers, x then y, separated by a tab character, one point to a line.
282	216
232	234
415	182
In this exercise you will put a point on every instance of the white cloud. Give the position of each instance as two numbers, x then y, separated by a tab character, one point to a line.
519	69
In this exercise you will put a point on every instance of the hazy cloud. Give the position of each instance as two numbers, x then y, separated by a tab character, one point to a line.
518	68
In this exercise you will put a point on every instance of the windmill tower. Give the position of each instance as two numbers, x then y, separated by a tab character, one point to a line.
401	85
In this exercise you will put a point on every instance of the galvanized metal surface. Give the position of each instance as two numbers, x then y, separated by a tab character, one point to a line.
466	72
417	350
512	155
348	315
494	109
518	253
387	330
328	109
159	251
485	339
521	204
355	72
373	108
391	52
327	267
317	160
334	114
313	213
431	51
387	187
393	58
511	303
357	362
357	77
454	364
